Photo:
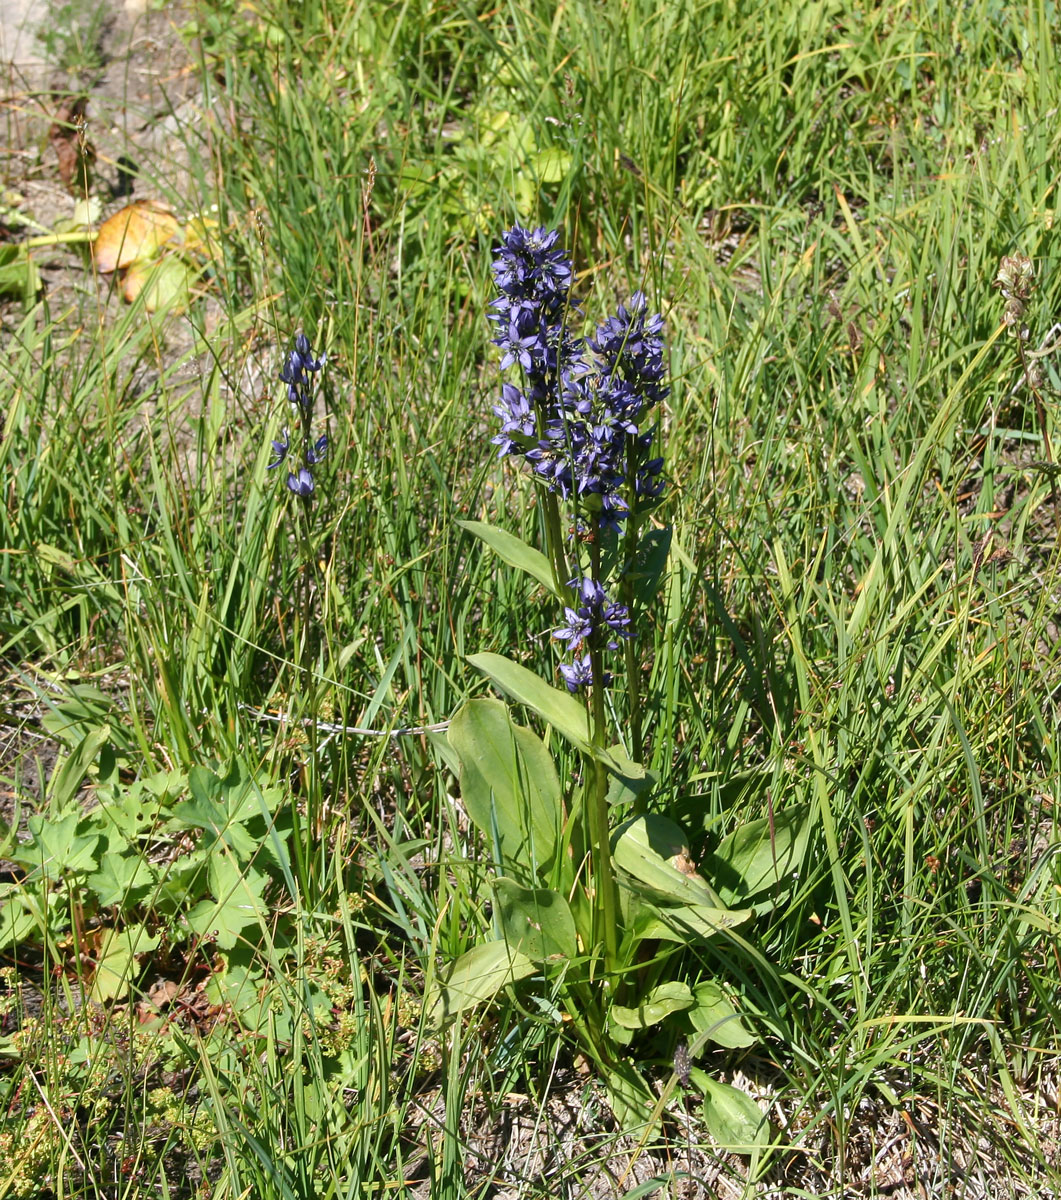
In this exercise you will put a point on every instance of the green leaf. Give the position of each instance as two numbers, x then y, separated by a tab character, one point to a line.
221	807
552	164
129	810
755	857
632	1101
237	902
660	1002
558	709
652	555
515	552
714	1017
17	920
682	922
629	780
57	847
124	875
476	977
247	991
18	274
653	851
535	921
163	284
733	1118
69	777
508	782
116	962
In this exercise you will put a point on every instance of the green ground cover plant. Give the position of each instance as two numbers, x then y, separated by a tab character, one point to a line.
326	852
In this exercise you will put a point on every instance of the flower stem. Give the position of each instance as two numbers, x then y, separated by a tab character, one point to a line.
605	908
554	538
308	683
633	671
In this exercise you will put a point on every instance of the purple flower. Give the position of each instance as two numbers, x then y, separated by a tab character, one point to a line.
577	674
595	623
280	449
629	346
579	420
302	483
298	367
531	313
517	420
576	631
300	360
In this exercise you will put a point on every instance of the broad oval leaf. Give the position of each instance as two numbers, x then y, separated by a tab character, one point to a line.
653	851
760	855
655	1007
536	921
629	780
514	551
558	709
165	283
508	782
714	1018
685	922
476	977
732	1117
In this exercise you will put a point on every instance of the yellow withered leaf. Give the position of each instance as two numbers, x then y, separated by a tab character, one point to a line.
131	235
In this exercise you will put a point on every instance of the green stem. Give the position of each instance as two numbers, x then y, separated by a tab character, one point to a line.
554	538
308	688
605	907
633	665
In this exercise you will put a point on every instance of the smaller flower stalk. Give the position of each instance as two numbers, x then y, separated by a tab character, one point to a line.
296	373
299	458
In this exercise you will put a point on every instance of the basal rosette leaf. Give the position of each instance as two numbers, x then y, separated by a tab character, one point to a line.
760	855
654	853
732	1117
658	1004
